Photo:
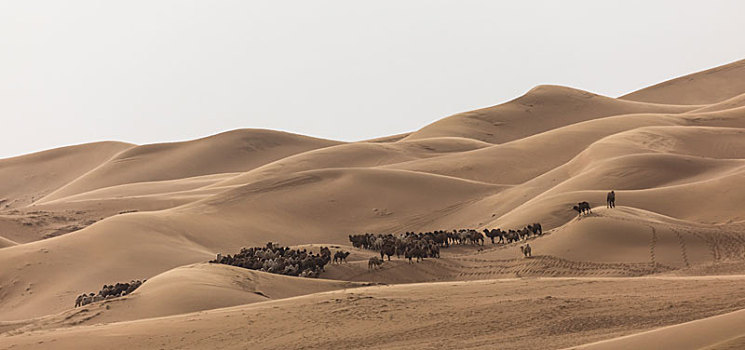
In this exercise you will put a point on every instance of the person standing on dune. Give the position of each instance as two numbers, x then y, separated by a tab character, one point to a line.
611	199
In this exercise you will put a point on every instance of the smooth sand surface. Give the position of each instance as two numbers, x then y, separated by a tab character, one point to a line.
661	270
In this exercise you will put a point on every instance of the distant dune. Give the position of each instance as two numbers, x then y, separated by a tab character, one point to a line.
654	272
26	179
707	87
541	109
233	151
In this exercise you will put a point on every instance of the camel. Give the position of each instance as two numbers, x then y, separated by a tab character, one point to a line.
79	300
524	233
340	257
582	208
433	250
417	252
374	263
494	233
536	228
475	236
525	249
325	251
611	199
388	248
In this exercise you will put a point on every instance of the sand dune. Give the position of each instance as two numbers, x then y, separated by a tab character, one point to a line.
140	196
211	286
541	109
717	332
731	103
540	313
628	235
25	179
706	87
358	155
75	218
223	223
183	290
4	242
233	151
506	163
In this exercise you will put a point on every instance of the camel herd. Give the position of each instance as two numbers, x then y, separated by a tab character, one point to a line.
282	260
511	236
410	245
444	238
427	244
108	292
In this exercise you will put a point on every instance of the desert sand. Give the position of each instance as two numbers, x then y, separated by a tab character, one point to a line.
665	269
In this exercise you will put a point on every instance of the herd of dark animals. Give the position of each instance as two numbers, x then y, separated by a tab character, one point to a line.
398	244
294	262
427	244
108	292
283	260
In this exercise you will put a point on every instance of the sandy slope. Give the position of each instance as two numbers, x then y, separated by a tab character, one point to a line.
238	150
118	212
362	200
541	109
508	314
731	103
358	155
717	332
706	87
25	179
506	163
185	289
4	242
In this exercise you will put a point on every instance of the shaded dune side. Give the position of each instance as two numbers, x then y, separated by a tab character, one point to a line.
705	87
233	151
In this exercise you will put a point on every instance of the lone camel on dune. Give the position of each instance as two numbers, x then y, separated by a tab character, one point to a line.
526	250
582	208
611	199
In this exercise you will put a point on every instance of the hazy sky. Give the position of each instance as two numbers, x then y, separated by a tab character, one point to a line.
154	71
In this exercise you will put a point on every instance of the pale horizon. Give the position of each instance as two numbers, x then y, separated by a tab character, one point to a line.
169	71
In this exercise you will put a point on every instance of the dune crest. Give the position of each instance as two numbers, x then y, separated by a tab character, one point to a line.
706	87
